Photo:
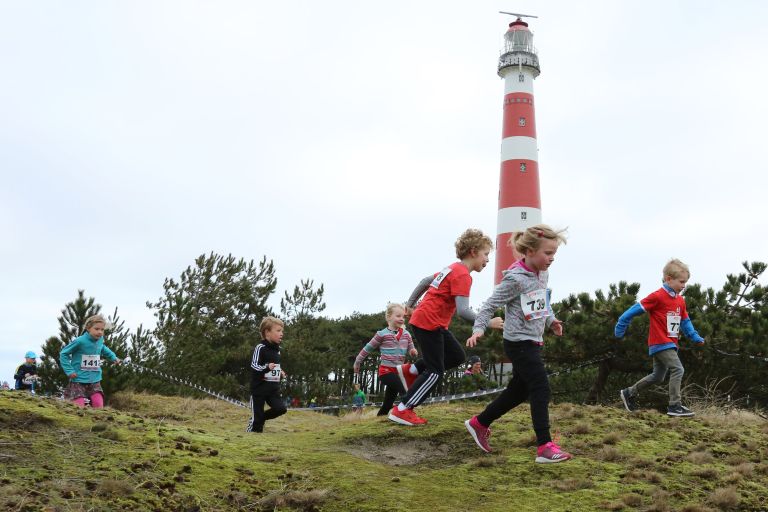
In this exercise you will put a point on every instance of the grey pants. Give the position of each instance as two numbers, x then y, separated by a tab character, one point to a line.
666	360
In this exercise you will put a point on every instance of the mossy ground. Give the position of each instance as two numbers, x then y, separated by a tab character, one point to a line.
148	452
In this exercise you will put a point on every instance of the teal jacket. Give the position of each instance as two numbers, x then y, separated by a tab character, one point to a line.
83	356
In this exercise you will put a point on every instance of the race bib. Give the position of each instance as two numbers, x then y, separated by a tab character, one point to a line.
673	325
30	380
535	304
90	362
439	277
273	375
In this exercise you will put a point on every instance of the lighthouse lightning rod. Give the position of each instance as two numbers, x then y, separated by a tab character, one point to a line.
518	15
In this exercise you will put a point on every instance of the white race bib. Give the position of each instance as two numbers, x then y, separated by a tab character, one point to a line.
273	375
535	304
90	363
439	277
673	325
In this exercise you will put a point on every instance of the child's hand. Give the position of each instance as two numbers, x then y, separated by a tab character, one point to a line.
472	341
356	369
283	374
408	311
72	375
557	327
271	365
496	323
413	352
118	361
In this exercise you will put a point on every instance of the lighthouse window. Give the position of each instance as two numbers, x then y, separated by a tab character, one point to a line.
521	77
521	122
522	166
523	215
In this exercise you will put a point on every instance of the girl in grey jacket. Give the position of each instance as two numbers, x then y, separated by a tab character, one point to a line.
524	294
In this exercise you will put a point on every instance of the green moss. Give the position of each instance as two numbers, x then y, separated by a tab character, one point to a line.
161	453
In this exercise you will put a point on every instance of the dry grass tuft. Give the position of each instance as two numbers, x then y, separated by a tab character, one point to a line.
573	484
632	500
726	498
582	428
609	454
705	472
745	468
303	500
611	438
699	457
109	487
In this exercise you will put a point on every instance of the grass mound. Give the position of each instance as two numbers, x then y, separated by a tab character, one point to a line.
148	452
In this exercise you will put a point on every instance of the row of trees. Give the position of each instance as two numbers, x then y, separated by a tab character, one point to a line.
207	325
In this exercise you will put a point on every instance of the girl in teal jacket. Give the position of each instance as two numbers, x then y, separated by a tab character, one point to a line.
81	361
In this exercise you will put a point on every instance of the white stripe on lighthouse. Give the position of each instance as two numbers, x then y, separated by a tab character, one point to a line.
511	219
519	148
512	81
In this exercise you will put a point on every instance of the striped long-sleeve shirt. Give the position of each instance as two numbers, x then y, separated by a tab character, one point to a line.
393	346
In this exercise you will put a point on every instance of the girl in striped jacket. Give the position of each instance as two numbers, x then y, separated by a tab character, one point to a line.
393	342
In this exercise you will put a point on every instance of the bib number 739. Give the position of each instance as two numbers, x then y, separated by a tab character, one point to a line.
535	304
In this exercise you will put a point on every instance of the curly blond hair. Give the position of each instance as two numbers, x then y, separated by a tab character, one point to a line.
472	240
675	269
531	238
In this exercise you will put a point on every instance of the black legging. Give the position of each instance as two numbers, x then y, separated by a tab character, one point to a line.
440	351
394	389
529	381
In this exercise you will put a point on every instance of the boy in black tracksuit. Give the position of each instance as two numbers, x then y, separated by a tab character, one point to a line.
266	374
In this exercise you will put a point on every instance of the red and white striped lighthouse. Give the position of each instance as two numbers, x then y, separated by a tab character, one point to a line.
519	197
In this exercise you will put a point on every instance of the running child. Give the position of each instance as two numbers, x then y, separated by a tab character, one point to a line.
447	292
26	373
81	361
523	292
393	342
668	316
266	374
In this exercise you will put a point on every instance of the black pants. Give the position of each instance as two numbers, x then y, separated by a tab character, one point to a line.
529	381
440	351
276	408
394	388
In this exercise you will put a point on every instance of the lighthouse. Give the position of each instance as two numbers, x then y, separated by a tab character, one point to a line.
519	196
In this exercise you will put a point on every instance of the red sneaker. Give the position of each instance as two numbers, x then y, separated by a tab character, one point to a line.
479	433
406	377
406	417
550	452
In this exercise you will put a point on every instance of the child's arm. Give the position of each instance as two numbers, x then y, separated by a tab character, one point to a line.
463	309
257	364
367	349
65	359
504	292
411	347
19	373
687	327
105	350
418	291
624	320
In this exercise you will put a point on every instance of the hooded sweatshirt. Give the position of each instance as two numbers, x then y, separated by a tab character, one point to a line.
525	298
83	356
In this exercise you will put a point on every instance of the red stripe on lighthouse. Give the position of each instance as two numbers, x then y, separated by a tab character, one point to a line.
519	184
519	115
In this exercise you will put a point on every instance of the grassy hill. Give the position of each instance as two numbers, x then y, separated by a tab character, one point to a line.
169	454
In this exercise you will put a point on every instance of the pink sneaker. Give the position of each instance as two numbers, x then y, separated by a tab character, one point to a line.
479	433
406	377
550	452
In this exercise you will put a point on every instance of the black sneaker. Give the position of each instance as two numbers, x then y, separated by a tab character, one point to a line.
679	410
629	401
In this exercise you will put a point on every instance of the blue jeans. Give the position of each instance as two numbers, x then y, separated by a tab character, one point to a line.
663	362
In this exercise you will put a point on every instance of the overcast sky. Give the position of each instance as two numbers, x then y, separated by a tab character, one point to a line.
351	142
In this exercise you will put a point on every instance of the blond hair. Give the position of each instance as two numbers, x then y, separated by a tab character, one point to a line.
268	322
391	309
675	268
95	319
472	240
531	238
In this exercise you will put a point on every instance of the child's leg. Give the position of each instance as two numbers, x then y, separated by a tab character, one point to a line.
79	401
513	395
276	406
656	376
394	388
432	354
671	361
534	374
453	353
257	414
97	400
